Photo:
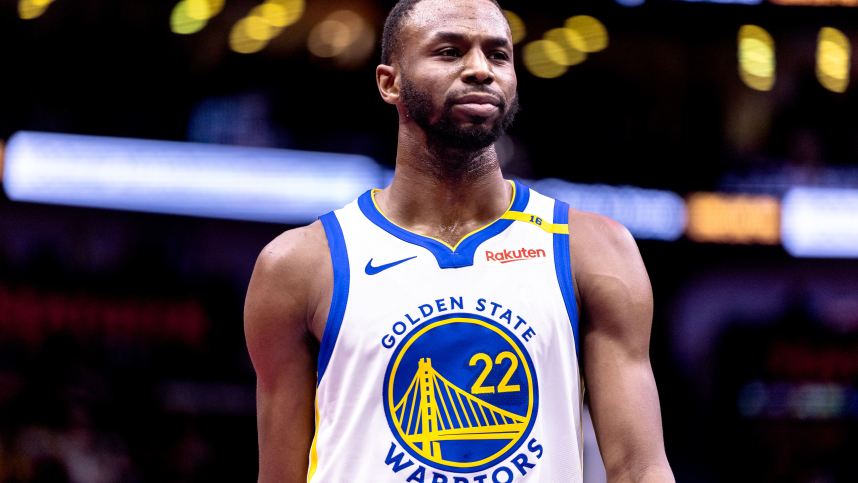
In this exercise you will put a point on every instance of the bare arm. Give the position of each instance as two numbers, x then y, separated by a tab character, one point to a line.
279	315
616	301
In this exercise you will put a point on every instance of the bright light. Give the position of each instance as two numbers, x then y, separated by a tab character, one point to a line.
258	29
242	41
337	33
215	7
31	9
647	213
264	22
756	58
182	21
833	59
279	13
723	218
292	9
183	178
516	26
821	222
571	43
272	13
2	153
545	59
198	9
590	34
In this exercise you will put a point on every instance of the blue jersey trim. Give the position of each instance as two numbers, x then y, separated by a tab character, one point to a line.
463	254
340	262
563	267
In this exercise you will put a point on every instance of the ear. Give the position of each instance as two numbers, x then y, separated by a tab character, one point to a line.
387	80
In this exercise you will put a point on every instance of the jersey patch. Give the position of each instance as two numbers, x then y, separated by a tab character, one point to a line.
460	410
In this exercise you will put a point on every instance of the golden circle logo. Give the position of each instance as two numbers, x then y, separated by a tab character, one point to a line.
460	393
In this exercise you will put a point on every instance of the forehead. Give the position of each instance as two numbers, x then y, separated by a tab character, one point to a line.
469	17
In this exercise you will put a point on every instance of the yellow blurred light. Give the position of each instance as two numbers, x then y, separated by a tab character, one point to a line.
293	10
31	9
198	9
757	61
570	43
739	219
272	13
253	32
339	31
545	59
833	59
592	34
756	58
181	21
258	29
516	26
215	7
240	39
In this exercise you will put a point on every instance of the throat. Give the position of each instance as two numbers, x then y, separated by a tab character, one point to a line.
441	212
454	233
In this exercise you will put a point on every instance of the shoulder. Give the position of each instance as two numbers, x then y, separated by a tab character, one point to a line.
293	249
290	281
598	240
607	264
586	228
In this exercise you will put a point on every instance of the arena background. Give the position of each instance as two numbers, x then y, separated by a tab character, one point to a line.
723	134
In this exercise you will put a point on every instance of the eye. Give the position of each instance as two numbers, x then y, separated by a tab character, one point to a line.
499	55
449	52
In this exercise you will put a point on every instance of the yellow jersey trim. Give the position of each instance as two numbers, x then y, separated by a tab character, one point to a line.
451	247
314	455
555	228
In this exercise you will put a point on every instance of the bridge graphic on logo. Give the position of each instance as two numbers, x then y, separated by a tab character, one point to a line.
433	410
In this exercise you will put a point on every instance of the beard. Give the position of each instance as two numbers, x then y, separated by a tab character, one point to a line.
445	132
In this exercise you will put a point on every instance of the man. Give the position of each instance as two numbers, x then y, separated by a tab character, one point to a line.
435	322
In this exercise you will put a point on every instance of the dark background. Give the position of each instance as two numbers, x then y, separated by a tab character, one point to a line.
122	354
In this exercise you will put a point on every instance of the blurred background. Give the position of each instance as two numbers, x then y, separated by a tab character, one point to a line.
149	150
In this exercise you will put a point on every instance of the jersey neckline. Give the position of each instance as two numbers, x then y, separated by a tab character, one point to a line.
460	255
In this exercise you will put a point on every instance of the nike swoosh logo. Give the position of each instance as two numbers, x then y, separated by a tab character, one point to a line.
370	270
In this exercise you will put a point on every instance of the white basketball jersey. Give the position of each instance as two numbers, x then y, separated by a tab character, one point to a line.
445	364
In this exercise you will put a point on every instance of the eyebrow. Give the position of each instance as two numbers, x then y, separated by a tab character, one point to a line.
457	37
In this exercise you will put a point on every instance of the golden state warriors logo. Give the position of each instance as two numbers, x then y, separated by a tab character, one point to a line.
460	393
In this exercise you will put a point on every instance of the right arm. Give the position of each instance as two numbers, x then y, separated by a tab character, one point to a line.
280	313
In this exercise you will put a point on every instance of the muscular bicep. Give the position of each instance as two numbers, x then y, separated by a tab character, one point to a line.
616	301
283	351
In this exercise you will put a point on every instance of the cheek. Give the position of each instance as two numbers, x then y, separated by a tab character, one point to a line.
508	79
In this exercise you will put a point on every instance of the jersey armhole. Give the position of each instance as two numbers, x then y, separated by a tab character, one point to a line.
563	268
340	295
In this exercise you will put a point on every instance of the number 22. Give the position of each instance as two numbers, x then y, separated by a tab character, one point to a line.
504	385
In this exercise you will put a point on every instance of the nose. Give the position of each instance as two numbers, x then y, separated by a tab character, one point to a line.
477	68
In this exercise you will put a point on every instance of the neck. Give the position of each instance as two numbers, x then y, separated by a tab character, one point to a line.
444	192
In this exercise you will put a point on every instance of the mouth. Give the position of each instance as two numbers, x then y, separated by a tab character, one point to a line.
478	99
478	105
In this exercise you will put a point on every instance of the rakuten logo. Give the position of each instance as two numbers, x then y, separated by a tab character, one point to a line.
507	256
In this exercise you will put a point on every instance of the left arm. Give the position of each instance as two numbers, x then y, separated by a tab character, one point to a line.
616	302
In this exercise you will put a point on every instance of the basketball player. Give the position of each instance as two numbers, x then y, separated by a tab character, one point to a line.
429	331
